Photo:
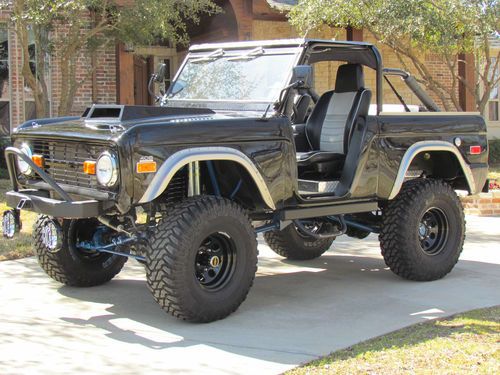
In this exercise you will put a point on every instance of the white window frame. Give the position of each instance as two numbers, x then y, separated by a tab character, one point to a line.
9	62
493	125
494	52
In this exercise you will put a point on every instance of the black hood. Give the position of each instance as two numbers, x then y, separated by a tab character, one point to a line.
107	123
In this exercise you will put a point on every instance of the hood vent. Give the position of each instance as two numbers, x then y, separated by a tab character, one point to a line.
119	113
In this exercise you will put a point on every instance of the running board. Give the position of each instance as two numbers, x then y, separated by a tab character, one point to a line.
310	187
320	211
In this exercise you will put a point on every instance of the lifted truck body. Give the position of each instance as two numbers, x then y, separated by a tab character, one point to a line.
242	150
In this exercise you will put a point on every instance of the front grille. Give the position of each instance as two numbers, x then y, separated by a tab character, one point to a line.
64	161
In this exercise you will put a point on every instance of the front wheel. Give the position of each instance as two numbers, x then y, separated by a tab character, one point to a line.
202	259
71	265
423	231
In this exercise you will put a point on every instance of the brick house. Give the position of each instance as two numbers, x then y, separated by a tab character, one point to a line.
120	73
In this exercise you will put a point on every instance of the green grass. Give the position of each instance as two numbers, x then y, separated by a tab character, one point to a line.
20	246
467	343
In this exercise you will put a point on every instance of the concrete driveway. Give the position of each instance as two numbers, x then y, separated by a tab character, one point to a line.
295	312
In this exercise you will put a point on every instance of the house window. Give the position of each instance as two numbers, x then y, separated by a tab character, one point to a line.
4	82
168	61
493	103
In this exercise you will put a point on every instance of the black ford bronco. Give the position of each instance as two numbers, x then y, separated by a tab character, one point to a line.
241	144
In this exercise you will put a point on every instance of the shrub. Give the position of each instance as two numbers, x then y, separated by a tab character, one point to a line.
4	142
494	152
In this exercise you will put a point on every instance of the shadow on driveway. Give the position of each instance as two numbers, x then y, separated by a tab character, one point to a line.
306	310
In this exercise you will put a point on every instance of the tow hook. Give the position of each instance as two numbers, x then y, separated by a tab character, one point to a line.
11	223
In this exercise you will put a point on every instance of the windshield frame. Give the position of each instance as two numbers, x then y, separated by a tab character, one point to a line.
295	51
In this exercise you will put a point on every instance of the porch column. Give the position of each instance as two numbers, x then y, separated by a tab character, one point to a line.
466	70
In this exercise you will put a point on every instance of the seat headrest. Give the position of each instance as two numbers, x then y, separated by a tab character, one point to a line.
350	78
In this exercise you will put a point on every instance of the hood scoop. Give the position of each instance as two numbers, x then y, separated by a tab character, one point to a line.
107	115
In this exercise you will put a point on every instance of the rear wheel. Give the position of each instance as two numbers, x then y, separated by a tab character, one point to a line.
292	244
63	261
423	231
202	259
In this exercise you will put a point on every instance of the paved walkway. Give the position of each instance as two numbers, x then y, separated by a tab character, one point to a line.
295	312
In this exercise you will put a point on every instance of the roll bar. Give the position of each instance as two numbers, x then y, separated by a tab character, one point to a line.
412	83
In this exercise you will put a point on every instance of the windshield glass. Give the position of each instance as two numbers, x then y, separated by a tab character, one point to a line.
249	76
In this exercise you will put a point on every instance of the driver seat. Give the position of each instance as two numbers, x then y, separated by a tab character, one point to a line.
330	125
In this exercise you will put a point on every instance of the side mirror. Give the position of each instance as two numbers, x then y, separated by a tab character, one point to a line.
304	75
161	73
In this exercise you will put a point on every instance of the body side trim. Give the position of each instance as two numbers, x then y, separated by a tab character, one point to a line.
179	159
424	146
430	114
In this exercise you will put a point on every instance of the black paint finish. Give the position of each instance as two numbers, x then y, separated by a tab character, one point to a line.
270	145
399	132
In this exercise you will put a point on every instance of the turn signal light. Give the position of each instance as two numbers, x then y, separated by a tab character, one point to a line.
146	166
475	150
38	160
89	167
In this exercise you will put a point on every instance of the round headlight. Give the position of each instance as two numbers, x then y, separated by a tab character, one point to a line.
107	169
24	167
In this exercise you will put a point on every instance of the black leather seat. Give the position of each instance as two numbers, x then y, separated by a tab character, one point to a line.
331	123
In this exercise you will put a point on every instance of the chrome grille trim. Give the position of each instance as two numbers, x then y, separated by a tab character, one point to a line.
64	161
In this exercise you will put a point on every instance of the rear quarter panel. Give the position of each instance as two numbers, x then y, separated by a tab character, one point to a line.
399	131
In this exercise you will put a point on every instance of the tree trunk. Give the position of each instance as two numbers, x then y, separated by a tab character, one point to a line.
41	43
39	94
68	71
65	102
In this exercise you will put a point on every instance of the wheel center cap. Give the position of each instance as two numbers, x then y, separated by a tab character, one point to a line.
422	230
215	261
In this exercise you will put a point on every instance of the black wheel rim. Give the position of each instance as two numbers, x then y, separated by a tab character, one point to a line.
433	231
215	261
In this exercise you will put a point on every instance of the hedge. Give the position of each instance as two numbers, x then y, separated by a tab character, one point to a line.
494	152
4	142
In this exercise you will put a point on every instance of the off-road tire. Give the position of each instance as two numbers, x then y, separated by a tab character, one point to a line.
172	257
70	265
401	245
291	244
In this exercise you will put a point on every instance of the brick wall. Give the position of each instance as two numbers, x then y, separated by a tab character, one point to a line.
101	90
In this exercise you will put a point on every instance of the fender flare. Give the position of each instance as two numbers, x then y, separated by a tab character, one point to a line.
424	146
179	159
